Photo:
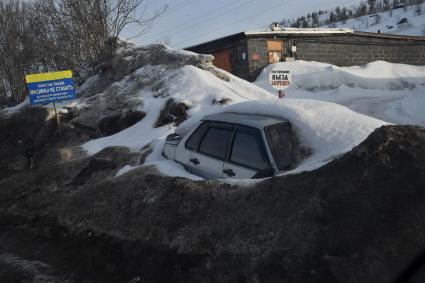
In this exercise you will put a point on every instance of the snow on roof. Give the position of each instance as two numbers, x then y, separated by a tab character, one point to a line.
286	30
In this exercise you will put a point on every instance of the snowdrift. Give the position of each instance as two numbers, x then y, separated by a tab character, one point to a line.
379	75
327	128
391	92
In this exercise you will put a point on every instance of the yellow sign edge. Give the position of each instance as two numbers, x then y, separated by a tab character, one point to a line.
52	76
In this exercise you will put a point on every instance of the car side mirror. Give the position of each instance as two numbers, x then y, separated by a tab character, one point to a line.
173	137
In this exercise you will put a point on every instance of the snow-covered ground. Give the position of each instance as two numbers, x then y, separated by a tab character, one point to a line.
391	92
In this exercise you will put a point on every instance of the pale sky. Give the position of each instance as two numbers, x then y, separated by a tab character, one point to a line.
189	22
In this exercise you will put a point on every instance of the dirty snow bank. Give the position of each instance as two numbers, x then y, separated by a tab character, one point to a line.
12	110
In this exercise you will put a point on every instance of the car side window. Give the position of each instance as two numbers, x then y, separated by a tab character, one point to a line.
194	140
248	150
216	142
279	138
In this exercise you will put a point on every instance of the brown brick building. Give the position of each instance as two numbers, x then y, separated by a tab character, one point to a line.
245	54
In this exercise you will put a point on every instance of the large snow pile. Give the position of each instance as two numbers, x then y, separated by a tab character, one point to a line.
147	82
327	128
197	88
391	92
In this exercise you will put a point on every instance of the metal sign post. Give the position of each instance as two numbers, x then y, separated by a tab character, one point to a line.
51	87
59	131
281	94
280	80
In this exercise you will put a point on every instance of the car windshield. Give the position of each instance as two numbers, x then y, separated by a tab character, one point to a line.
279	139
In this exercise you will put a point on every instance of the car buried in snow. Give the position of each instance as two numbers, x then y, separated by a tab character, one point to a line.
237	146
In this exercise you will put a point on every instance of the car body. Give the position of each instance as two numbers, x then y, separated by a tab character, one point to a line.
233	145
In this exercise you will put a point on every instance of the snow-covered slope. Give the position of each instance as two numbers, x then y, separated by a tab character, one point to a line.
391	92
360	16
387	22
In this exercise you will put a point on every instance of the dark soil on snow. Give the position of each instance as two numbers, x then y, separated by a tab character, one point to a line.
360	218
66	217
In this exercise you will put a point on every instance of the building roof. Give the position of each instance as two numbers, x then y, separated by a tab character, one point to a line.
252	120
284	31
326	31
306	32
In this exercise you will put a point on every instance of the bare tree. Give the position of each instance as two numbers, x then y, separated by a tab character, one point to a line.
19	50
90	29
43	35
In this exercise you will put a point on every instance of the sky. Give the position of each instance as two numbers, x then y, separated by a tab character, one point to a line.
189	22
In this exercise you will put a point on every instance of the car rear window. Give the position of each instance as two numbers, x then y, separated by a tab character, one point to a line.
279	139
193	142
215	142
248	150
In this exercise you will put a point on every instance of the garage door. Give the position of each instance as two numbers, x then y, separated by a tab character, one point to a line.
222	60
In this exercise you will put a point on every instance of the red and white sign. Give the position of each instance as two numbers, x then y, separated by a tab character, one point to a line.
280	79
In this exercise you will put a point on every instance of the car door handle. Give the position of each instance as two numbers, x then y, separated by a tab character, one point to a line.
229	172
195	161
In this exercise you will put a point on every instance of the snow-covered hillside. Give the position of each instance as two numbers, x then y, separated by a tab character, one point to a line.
391	92
388	22
359	16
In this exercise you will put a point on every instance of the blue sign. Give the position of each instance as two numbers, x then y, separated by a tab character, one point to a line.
50	87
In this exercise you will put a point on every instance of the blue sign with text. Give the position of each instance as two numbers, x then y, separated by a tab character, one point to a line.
50	87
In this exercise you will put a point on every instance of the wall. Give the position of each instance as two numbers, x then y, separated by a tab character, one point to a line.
236	44
239	65
360	50
256	46
338	49
341	50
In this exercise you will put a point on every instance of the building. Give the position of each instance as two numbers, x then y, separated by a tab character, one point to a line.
245	54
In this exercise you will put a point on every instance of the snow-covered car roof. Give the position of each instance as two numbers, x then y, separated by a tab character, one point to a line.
253	120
